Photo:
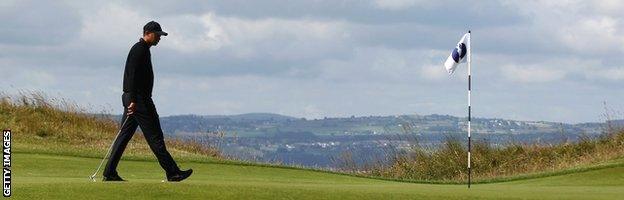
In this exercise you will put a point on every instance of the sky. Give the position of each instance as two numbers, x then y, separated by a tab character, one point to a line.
531	60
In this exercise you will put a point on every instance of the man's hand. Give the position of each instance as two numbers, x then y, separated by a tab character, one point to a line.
131	108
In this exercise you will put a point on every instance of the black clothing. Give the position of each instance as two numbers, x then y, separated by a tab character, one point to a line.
137	86
138	75
145	116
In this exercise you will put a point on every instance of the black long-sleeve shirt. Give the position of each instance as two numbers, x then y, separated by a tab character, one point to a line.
138	75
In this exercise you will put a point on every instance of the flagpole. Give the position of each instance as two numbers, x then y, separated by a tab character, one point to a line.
469	109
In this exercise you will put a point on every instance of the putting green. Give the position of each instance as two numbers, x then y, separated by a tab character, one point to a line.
46	176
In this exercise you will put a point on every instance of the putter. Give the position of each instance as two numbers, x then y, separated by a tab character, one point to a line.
92	177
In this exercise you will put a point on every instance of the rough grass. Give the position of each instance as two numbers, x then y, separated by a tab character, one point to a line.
56	147
448	163
52	126
56	125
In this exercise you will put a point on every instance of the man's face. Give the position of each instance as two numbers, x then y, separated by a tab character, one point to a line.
156	39
152	38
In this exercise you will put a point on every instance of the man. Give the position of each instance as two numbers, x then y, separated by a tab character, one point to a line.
139	109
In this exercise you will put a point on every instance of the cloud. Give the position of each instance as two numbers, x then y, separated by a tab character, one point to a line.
325	58
226	45
37	23
473	14
609	74
531	74
580	27
433	72
395	4
596	35
191	33
102	29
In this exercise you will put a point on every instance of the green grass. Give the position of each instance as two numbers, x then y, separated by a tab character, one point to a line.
49	176
57	147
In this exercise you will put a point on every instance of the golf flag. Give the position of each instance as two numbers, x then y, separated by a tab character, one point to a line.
459	54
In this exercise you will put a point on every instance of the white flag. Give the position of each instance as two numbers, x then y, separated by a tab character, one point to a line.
459	54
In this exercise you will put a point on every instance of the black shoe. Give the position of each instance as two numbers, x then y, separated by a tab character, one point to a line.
112	178
180	176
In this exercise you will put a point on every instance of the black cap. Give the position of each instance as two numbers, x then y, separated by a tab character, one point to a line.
154	27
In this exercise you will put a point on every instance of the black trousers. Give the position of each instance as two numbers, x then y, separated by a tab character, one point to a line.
147	118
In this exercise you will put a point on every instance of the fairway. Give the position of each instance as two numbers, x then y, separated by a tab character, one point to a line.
48	176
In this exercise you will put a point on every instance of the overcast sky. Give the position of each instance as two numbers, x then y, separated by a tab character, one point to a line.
532	60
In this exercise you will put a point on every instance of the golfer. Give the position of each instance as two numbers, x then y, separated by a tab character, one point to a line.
139	109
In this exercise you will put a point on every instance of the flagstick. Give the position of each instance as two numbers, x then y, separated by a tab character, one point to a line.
469	79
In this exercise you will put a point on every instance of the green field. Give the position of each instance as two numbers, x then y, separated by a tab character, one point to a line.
52	176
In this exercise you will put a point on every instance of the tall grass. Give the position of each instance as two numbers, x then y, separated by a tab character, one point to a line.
40	122
448	162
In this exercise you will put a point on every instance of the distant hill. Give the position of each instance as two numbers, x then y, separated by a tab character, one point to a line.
265	123
263	116
315	142
55	145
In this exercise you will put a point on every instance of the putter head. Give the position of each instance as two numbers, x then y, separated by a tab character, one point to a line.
92	177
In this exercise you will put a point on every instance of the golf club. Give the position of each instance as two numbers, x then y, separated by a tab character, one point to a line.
92	177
